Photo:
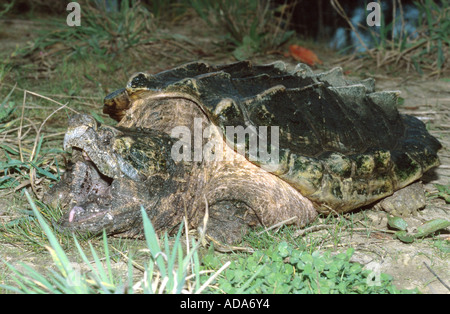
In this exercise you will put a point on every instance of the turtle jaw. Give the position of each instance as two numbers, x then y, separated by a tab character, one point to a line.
101	181
91	178
85	220
90	197
97	202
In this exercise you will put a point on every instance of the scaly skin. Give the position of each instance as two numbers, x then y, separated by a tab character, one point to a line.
123	170
341	146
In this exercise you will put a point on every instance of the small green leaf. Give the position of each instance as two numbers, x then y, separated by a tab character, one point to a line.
431	227
404	236
400	101
444	192
308	270
397	223
44	172
283	249
102	67
98	118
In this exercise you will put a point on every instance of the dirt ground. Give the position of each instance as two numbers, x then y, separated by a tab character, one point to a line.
411	265
429	100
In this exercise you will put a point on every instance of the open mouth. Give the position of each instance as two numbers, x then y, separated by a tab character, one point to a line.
103	189
90	190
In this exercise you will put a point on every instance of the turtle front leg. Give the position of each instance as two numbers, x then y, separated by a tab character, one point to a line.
229	221
243	195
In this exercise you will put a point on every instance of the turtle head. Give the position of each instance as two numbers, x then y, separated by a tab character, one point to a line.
107	182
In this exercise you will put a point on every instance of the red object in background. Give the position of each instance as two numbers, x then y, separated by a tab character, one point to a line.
304	55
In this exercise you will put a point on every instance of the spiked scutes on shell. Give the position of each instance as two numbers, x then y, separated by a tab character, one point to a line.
342	145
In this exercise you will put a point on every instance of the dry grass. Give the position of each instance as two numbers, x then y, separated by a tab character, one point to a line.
426	51
33	141
27	163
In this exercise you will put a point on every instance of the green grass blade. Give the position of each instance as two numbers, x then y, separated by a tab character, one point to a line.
60	258
38	149
100	273
152	242
107	257
249	281
44	172
196	270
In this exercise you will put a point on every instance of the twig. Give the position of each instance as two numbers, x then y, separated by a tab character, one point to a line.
49	99
438	278
337	6
54	95
302	232
281	223
40	129
210	279
37	139
205	220
372	229
331	209
202	272
139	267
17	188
19	134
224	248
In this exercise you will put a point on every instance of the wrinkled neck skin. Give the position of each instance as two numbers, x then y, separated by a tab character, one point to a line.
118	170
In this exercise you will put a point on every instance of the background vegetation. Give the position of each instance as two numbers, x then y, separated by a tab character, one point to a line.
49	70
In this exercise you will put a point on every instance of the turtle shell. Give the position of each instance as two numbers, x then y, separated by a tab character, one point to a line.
341	144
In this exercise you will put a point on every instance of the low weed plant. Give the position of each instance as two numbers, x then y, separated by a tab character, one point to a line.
251	26
284	269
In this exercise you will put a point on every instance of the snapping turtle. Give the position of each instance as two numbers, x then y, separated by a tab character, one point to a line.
197	137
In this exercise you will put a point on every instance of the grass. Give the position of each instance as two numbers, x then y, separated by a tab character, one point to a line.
250	25
5	68
291	266
167	271
424	51
282	268
74	75
102	33
29	159
30	164
5	7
